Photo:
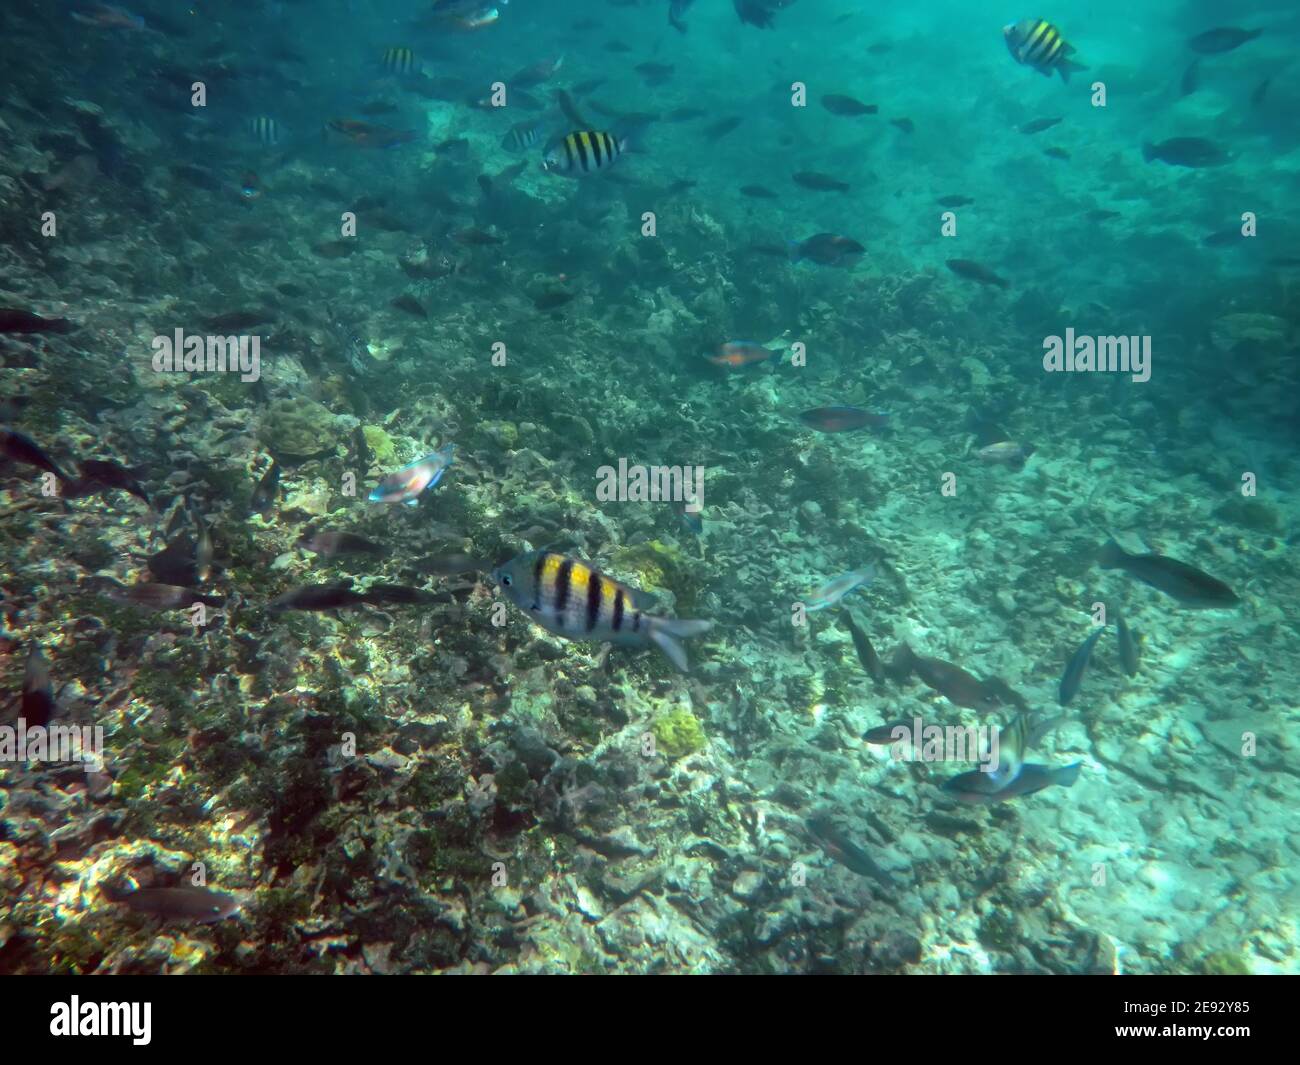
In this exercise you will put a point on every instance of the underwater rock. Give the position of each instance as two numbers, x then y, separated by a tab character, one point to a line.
299	429
1263	330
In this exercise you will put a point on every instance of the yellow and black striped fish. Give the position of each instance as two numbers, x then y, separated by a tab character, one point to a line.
265	129
570	599
582	152
399	60
1036	43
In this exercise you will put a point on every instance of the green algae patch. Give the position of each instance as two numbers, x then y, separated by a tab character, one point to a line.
678	733
380	444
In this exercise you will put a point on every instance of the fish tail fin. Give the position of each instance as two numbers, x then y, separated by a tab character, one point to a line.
1066	775
665	632
1068	67
1111	555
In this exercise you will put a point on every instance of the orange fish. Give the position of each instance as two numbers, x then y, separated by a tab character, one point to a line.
737	353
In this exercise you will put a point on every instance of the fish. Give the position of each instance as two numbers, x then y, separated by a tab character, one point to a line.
812	179
842	419
99	475
1224	238
523	136
334	596
676	9
974	271
836	843
448	565
949	680
1188	585
475	237
265	130
1072	678
550	300
406	484
202	548
38	704
905	124
1190	152
584	151
1130	644
1191	78
397	595
955	201
331	544
1260	91
263	500
536	73
159	596
370	135
400	60
570	599
1223	39
1037	44
839	104
1032	778
862	644
827	249
1100	214
655	73
22	449
1006	453
176	563
1038	125
834	590
884	735
17	320
734	354
692	520
722	127
108	17
758	192
1056	153
188	903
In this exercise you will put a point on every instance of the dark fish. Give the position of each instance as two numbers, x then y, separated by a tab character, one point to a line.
949	680
883	735
905	124
570	110
827	249
100	475
1075	668
1037	44
1187	584
617	47
329	544
361	452
549	301
1224	39
1129	645
1056	153
16	447
866	653
676	9
267	489
692	520
842	419
160	596
177	903
836	843
535	74
1038	125
396	595
16	320
759	13
722	127
317	597
955	201
1032	777
1190	152
378	107
408	303
655	73
475	237
176	563
1101	215
1191	78
1261	90
1225	238
811	179
758	192
973	271
839	104
38	706
236	321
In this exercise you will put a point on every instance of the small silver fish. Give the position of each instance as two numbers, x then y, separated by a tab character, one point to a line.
833	591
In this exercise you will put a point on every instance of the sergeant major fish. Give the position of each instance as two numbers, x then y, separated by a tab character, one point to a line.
570	599
1037	44
582	152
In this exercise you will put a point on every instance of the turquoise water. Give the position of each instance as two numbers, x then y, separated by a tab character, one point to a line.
743	339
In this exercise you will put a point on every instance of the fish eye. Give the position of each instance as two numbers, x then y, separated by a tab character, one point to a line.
505	579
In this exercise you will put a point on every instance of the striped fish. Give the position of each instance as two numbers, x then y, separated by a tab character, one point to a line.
570	599
522	136
1036	43
265	129
582	152
399	60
